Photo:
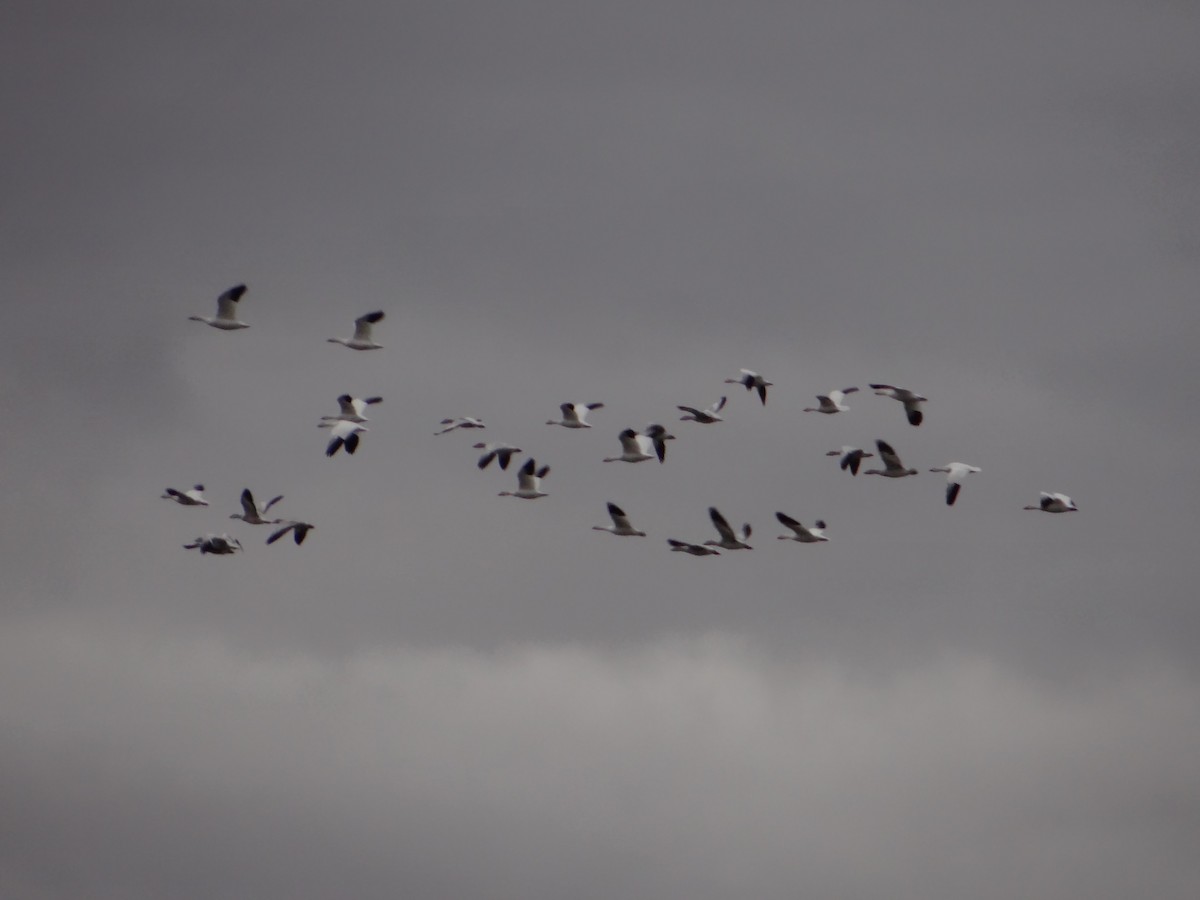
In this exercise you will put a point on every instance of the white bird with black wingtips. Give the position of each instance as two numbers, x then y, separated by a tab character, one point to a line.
216	544
352	409
251	514
851	458
299	531
703	416
693	549
893	468
956	473
226	318
362	339
730	540
1055	503
800	532
621	524
574	415
529	482
912	401
343	434
498	451
752	381
832	402
465	422
194	497
634	448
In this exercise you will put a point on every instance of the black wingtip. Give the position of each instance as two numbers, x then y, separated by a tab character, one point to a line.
915	417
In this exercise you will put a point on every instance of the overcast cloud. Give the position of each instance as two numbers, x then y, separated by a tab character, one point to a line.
447	693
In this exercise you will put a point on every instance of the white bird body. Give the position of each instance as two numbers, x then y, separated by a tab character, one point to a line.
343	434
802	533
956	473
529	482
621	524
851	458
251	514
226	318
730	540
460	422
362	339
693	549
194	497
912	401
499	451
832	402
574	415
299	531
893	468
216	544
1055	503
352	409
634	448
752	381
703	416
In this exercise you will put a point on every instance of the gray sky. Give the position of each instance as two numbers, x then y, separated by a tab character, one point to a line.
446	693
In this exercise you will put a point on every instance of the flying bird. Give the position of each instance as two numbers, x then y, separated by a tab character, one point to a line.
216	544
194	497
251	514
694	549
956	472
1055	503
893	468
574	415
497	451
912	402
658	438
634	448
352	409
362	333
703	416
620	525
832	402
529	482
851	458
752	382
802	533
299	531
226	318
460	422
342	434
729	539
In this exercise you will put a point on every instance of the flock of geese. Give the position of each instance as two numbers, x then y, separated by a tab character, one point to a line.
347	427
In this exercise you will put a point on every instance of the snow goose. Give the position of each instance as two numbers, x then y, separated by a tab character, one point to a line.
694	549
912	402
460	422
251	514
802	533
217	544
658	437
851	458
362	333
752	382
351	409
498	451
342	434
893	468
194	497
729	539
955	473
1055	503
529	482
703	416
832	402
620	525
226	318
634	448
574	415
299	531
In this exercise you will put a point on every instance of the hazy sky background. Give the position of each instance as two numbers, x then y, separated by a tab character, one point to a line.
445	693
